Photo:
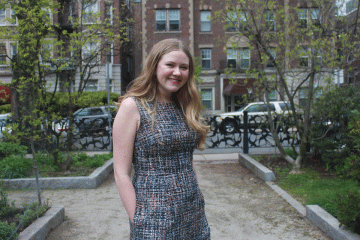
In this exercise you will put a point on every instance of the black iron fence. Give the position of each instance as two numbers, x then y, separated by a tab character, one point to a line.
95	134
249	132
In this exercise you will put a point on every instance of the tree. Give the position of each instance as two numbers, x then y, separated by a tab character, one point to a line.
51	56
295	51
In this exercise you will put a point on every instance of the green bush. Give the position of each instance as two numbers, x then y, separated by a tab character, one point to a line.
10	148
8	231
33	211
15	167
5	108
335	143
348	214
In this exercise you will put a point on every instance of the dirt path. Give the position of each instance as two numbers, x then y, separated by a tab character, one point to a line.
238	206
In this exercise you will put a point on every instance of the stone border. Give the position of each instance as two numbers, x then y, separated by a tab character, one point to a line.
90	182
39	229
318	216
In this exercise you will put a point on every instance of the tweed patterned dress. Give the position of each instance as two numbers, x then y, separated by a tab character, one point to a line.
169	203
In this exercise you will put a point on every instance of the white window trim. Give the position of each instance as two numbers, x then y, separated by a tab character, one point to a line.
205	21
86	11
212	97
209	50
111	12
167	20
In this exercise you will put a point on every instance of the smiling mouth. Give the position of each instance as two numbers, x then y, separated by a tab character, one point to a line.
175	81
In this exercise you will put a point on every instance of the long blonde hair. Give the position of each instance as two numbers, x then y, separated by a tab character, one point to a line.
145	87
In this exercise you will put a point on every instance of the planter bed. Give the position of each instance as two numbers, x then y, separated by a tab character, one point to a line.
86	182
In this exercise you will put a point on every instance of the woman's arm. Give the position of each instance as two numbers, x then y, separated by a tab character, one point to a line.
126	123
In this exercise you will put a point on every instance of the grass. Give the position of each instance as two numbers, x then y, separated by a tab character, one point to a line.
315	186
81	165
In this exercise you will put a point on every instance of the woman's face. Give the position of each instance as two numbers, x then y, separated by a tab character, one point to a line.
172	73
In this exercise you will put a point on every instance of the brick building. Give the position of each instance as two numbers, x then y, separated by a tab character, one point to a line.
210	40
100	63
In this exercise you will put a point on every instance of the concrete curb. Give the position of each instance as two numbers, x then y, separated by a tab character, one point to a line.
329	224
318	216
42	226
257	168
89	182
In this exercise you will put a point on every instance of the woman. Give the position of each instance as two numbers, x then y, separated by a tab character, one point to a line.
156	131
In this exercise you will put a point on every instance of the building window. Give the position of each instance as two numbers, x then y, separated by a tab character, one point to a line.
90	11
244	58
303	97
206	58
231	58
167	20
272	95
303	18
13	50
90	52
13	16
241	56
3	54
206	96
315	16
304	57
306	16
205	21
109	13
91	85
236	21
2	16
45	53
270	63
270	21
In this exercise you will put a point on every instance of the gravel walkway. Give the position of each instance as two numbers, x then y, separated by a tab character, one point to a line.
238	206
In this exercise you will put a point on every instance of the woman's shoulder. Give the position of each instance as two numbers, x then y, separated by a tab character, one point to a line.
129	105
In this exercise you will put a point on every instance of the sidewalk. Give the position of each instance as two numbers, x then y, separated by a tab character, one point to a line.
238	206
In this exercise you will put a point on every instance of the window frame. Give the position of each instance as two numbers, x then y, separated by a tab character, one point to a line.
303	57
205	21
303	18
3	54
88	50
208	101
91	83
270	21
272	52
3	17
206	55
168	21
109	13
236	20
89	14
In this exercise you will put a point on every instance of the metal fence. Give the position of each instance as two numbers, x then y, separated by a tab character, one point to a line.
248	132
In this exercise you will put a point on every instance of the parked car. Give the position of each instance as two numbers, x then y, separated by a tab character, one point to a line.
90	120
257	113
5	119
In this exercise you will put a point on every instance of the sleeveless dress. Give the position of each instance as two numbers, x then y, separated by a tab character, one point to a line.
169	203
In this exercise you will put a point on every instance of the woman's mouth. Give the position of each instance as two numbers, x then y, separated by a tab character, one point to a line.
175	81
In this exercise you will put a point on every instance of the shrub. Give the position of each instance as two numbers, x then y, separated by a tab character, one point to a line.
10	148
348	206
33	212
8	231
15	167
6	108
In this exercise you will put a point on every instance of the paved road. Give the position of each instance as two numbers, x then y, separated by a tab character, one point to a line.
239	206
